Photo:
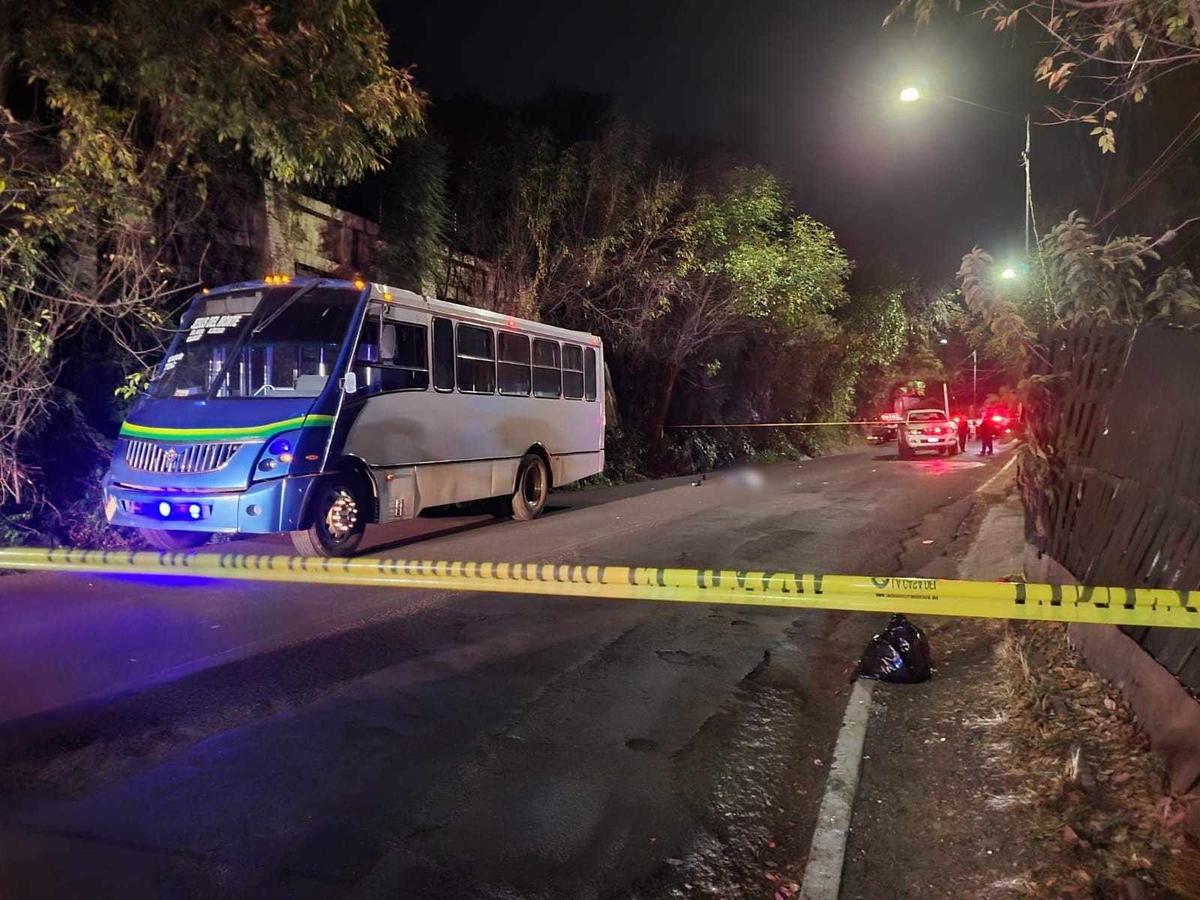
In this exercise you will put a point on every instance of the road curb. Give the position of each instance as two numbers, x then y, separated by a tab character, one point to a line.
827	853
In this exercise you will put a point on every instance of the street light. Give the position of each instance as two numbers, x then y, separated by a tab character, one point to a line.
1009	273
910	95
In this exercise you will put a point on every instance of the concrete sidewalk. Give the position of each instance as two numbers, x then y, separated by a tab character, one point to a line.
1013	772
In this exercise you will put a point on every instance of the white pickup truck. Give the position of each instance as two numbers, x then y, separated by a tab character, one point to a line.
927	429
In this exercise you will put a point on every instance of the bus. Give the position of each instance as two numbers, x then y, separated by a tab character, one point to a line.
317	406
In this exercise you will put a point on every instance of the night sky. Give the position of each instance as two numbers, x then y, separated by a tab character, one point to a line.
807	87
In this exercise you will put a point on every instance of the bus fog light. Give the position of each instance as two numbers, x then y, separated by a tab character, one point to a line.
164	509
253	510
267	465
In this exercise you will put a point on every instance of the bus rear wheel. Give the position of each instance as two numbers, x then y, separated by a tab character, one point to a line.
533	487
173	541
338	521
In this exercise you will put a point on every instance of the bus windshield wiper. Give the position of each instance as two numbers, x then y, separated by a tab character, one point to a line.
284	307
236	349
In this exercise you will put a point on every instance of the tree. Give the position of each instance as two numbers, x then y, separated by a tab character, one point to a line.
1085	279
697	273
125	110
1102	53
1094	279
997	327
744	261
409	201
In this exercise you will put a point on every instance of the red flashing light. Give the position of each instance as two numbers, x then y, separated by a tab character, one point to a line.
997	418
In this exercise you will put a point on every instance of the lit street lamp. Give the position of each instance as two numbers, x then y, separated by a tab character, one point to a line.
1008	273
910	95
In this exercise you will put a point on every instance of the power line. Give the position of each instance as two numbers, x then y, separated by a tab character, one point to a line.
1161	163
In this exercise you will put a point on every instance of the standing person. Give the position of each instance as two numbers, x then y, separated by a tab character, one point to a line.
964	429
986	435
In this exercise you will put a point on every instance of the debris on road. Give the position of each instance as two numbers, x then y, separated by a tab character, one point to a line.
898	654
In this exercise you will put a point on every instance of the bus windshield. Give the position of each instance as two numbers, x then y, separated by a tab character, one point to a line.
247	344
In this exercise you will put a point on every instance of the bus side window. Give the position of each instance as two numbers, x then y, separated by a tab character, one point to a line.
443	354
405	359
476	360
513	371
572	371
396	361
547	374
589	374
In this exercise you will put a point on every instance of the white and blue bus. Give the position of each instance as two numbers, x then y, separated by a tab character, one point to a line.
315	407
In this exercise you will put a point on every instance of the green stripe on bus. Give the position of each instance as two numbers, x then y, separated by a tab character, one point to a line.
129	429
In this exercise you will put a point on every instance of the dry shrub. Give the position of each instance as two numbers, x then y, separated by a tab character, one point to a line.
1095	789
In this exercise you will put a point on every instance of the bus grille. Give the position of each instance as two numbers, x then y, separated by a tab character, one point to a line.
151	456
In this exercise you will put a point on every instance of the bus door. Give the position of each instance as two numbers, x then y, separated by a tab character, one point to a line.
391	368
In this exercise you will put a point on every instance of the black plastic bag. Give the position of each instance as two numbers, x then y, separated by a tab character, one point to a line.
899	653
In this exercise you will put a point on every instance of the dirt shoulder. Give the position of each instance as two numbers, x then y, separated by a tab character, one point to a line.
1015	771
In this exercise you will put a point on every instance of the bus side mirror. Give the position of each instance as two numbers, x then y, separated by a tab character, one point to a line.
350	383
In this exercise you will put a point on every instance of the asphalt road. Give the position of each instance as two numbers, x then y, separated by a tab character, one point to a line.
207	738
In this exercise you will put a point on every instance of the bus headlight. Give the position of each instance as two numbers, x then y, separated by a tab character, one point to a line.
277	456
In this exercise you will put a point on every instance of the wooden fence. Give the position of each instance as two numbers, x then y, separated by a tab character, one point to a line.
1111	479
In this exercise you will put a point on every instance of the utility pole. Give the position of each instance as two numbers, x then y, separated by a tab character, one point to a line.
974	381
1028	189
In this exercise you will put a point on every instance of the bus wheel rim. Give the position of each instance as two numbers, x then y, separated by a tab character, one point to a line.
342	515
532	485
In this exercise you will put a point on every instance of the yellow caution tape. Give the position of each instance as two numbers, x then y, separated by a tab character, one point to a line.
791	424
929	596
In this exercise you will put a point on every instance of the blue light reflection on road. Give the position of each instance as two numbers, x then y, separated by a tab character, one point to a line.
165	580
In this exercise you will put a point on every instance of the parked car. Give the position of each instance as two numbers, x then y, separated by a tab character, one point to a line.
885	429
927	429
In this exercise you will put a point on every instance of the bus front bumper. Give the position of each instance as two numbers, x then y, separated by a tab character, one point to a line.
265	507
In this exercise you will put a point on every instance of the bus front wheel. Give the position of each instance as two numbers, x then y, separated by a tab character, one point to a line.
533	487
173	541
338	521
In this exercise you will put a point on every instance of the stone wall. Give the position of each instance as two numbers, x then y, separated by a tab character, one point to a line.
298	235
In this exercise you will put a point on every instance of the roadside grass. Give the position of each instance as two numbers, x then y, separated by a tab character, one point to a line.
1085	774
